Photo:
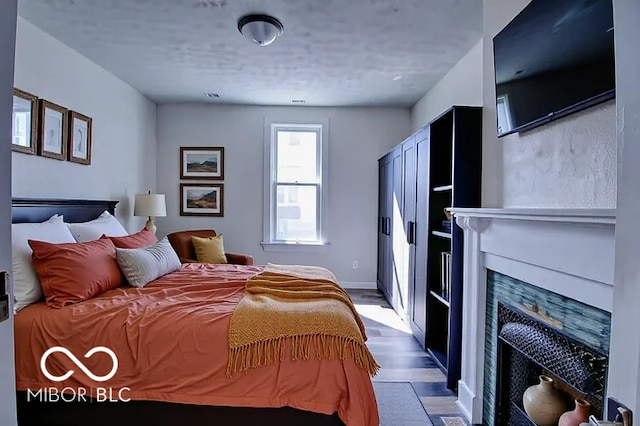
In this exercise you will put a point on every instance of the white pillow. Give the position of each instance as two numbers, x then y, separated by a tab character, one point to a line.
92	230
26	287
142	265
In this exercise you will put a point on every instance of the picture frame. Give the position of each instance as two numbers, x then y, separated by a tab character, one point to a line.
203	163
202	199
79	138
52	130
24	122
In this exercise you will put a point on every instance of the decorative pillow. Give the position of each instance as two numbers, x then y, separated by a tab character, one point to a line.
140	239
73	272
142	265
26	287
209	250
89	231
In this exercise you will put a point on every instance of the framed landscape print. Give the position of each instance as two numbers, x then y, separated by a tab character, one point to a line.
202	163
79	140
201	199
52	138
24	122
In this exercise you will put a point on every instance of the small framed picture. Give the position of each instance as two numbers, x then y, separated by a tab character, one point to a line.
201	199
24	122
79	139
202	163
52	138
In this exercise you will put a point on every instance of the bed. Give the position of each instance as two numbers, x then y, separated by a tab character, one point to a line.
337	383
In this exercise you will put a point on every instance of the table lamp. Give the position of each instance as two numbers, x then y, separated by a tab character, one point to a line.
150	205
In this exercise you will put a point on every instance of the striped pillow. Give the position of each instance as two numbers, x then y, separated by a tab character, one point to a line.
142	265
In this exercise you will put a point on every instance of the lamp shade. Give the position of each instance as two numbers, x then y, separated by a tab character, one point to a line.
149	205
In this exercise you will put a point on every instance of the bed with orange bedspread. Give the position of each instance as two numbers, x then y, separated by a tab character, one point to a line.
171	343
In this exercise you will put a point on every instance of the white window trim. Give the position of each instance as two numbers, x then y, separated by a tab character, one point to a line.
270	124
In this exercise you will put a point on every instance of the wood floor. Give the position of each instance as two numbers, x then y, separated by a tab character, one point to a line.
403	360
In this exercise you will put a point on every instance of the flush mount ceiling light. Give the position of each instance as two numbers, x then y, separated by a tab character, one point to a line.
261	29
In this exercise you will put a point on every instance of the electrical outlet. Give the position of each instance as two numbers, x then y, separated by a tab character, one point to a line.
618	412
4	297
4	283
4	307
355	264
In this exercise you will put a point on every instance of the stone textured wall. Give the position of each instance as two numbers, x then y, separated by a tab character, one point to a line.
567	163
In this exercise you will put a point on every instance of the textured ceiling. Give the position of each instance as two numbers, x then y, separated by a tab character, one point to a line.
332	52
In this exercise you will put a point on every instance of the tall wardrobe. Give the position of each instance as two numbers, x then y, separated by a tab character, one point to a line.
419	249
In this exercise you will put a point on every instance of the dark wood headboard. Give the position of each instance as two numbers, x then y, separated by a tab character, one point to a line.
29	210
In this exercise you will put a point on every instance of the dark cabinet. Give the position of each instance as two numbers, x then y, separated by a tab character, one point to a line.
419	250
390	189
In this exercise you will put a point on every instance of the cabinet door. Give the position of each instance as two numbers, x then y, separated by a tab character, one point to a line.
406	266
420	288
384	196
396	241
381	222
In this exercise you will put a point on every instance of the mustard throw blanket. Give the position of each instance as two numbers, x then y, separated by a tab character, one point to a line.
295	307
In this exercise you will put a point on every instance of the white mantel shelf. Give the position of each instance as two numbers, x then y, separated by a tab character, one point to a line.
570	252
603	216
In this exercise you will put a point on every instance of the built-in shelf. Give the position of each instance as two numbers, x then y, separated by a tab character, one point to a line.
441	234
443	188
439	298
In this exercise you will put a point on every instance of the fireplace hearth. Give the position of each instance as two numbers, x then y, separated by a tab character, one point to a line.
527	348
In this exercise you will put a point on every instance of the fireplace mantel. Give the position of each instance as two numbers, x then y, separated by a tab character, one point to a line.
593	216
566	251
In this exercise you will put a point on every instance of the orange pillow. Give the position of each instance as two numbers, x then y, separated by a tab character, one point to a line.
73	272
140	239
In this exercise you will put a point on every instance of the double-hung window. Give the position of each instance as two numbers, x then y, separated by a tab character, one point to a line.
295	200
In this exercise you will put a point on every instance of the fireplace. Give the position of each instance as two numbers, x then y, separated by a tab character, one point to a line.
528	347
554	267
532	331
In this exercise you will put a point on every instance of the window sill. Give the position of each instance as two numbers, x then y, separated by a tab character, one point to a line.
296	247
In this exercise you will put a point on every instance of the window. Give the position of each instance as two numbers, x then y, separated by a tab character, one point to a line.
295	198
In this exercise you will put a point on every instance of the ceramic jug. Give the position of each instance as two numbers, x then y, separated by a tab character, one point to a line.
543	404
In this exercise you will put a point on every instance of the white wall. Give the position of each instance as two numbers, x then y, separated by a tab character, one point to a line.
8	13
567	163
123	160
462	85
357	138
624	370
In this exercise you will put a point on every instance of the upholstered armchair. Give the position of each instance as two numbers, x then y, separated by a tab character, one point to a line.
181	243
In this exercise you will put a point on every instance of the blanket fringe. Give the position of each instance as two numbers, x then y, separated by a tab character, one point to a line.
326	346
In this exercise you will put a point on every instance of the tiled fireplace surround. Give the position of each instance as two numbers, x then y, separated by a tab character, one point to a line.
568	252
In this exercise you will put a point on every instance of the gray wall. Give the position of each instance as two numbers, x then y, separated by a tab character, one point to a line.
462	85
357	138
8	13
123	160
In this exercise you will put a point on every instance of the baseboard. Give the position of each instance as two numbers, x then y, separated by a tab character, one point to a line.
469	404
359	285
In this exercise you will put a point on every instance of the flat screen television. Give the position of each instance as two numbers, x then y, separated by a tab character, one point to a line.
555	58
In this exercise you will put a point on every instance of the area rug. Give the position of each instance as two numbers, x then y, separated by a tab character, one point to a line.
399	405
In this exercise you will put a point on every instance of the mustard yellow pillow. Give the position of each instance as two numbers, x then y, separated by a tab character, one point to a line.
209	250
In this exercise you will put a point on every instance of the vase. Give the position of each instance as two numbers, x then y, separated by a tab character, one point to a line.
576	417
543	404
